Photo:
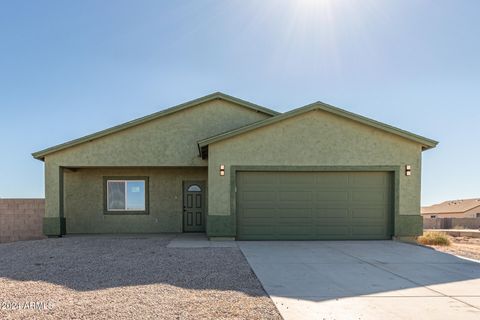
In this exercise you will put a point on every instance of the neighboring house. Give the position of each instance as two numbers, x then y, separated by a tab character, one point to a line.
467	208
238	170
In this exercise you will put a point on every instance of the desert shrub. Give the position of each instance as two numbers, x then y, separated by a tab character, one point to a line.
434	238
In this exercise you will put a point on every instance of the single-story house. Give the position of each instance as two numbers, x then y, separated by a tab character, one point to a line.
237	170
464	208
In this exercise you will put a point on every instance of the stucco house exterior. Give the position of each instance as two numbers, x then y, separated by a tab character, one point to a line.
462	208
237	170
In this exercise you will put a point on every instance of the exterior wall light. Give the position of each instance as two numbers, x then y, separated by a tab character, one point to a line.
408	170
222	170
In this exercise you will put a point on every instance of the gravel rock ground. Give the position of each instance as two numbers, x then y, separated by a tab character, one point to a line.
107	277
462	246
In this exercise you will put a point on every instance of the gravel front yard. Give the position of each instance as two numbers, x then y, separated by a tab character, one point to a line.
100	277
462	246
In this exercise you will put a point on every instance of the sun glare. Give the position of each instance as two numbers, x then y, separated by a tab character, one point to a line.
314	34
309	2
312	4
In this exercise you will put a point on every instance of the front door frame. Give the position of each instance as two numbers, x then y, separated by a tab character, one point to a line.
202	184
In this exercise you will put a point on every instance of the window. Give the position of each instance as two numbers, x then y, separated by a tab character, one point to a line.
433	216
126	195
194	188
478	215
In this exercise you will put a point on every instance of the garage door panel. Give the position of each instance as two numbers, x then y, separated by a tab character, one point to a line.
376	196
259	196
333	212
294	213
294	188
259	187
319	205
314	205
295	229
257	205
257	178
364	223
383	203
295	196
331	180
294	204
286	221
365	179
370	213
269	213
332	195
328	222
257	229
265	220
369	230
296	178
329	230
368	237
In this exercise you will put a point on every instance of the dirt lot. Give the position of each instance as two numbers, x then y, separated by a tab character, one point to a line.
462	246
127	278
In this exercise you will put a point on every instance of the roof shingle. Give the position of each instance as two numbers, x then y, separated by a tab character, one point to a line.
452	206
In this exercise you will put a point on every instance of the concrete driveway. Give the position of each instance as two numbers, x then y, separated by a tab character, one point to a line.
365	280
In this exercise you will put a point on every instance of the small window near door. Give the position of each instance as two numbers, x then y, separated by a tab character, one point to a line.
433	216
126	196
194	188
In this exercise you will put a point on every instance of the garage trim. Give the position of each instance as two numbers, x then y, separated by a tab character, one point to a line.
235	169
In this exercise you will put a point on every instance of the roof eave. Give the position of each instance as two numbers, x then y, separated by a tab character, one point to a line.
40	155
37	156
430	146
424	142
458	211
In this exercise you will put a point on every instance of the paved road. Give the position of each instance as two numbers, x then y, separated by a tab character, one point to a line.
365	280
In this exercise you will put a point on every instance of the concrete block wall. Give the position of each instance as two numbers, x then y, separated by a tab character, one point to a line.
451	223
21	219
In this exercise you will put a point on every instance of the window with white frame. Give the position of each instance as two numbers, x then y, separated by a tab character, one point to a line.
126	195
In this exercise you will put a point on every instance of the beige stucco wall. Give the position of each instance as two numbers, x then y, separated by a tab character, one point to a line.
84	200
167	141
315	138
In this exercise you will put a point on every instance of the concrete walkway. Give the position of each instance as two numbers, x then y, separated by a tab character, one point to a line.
198	240
365	280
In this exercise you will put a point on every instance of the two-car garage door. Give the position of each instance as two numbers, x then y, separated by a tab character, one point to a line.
314	205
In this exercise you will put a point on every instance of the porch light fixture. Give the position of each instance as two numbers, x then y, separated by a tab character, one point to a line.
222	170
408	170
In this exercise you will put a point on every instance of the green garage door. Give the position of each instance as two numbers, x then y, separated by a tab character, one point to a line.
314	205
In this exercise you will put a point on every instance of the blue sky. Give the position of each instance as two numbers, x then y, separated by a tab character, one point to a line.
70	68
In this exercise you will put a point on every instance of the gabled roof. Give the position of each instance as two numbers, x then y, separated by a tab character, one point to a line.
425	142
40	155
452	206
